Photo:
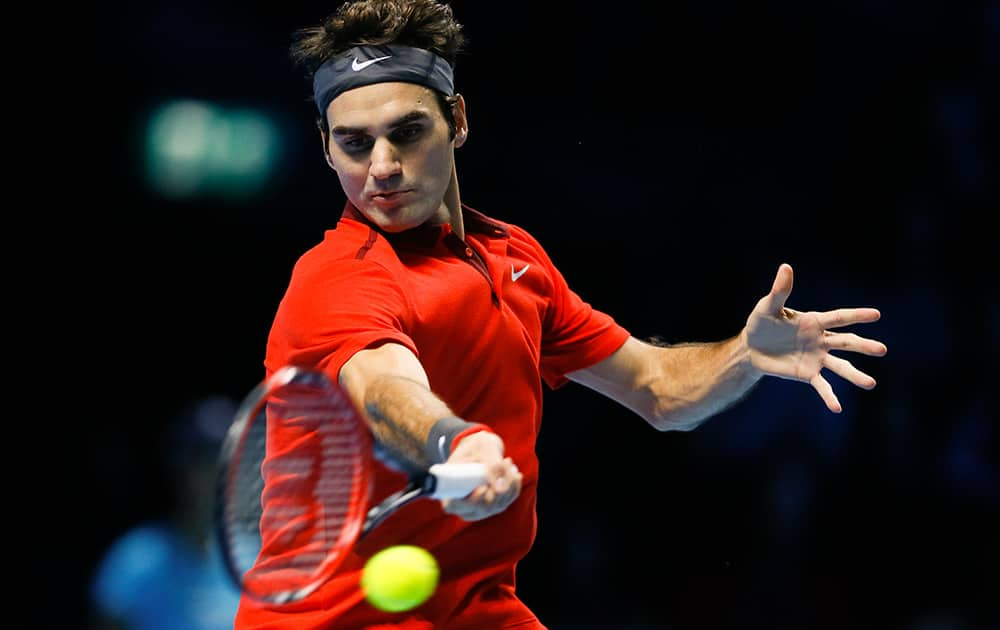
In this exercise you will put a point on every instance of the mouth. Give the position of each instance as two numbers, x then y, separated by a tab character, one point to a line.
389	197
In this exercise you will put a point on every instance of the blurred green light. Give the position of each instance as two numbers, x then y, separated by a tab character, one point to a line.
200	149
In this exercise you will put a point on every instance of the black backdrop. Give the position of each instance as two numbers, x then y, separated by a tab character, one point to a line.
670	156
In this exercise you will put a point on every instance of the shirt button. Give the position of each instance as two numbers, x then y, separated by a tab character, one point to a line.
468	252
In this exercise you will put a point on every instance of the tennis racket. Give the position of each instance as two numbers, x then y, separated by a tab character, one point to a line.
295	481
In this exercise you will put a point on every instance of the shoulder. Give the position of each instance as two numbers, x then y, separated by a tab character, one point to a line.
526	244
345	249
350	269
518	234
522	235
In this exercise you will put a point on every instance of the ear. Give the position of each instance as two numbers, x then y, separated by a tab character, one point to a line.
326	149
461	121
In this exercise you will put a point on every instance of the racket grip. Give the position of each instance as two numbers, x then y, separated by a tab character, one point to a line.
455	481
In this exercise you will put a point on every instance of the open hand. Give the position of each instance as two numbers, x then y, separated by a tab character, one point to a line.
796	344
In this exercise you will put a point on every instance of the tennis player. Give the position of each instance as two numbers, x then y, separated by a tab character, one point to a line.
444	323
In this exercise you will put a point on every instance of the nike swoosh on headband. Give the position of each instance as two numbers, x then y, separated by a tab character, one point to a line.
357	67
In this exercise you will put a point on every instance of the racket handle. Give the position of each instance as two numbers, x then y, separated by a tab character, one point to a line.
455	481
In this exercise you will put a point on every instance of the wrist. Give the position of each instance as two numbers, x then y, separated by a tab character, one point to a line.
446	434
744	354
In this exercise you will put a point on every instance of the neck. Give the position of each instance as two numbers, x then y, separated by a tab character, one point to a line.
453	205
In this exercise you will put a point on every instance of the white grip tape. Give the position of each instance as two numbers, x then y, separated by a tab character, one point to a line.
455	481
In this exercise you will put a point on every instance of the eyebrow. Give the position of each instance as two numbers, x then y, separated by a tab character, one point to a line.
341	130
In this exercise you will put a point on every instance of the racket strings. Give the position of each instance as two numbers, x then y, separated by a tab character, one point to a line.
309	491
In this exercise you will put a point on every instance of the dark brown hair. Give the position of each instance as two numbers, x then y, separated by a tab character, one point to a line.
426	24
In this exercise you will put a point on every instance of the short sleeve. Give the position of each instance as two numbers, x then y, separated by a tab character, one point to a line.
575	335
332	311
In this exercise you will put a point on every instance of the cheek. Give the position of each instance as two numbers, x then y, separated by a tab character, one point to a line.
437	164
351	180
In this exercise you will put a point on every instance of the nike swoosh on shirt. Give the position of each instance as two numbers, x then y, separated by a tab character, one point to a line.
514	275
358	66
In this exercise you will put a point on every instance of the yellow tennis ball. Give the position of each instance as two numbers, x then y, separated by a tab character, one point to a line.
399	578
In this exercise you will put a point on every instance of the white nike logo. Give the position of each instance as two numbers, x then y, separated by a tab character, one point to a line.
444	456
514	275
356	66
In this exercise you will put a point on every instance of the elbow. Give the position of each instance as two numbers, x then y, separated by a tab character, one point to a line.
664	409
674	422
675	413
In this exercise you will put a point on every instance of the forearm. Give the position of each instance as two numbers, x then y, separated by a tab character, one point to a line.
418	429
674	387
406	418
400	413
691	382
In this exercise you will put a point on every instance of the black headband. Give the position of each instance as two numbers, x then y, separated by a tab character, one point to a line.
364	65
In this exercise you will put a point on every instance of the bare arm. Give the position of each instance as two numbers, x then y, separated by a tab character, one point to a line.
389	384
679	387
674	387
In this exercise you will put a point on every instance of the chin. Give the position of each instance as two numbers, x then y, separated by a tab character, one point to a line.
392	222
393	228
397	219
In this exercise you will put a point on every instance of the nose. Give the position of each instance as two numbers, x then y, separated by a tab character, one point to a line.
384	160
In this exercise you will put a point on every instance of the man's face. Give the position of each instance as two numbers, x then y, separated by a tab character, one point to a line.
390	146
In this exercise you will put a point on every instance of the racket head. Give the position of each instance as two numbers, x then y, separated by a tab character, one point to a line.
294	483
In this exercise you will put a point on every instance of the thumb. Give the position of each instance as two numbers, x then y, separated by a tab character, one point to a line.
781	288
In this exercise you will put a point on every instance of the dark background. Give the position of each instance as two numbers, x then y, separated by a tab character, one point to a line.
670	156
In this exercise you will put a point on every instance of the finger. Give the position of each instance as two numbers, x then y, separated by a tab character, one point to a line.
504	473
489	495
847	371
478	495
780	289
847	316
854	343
513	490
468	512
469	507
821	385
501	484
477	510
490	498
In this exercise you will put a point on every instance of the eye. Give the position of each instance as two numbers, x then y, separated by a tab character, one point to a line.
407	133
355	144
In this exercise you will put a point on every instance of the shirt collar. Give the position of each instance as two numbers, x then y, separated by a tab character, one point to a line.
428	235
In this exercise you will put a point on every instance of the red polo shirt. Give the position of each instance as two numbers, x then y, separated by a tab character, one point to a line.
490	318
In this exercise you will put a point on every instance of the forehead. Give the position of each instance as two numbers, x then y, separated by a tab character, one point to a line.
380	104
